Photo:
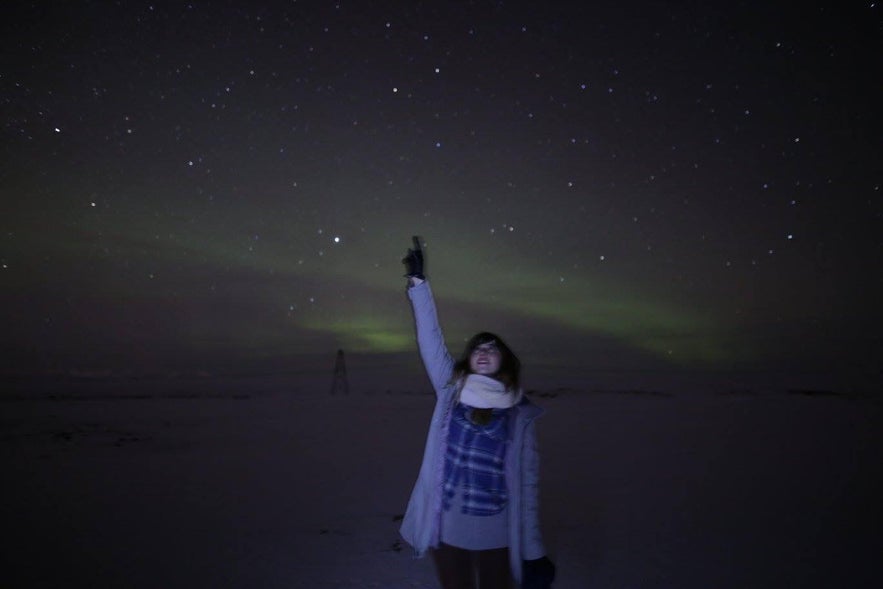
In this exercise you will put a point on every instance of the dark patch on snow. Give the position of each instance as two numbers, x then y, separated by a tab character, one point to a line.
816	393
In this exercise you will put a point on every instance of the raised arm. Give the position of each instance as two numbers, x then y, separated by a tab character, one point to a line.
430	340
436	358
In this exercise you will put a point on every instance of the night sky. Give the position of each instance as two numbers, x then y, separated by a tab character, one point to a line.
226	187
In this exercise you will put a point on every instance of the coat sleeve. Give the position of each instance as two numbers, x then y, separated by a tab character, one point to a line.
430	340
532	540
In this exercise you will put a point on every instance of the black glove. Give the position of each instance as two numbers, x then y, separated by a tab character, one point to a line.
413	261
537	574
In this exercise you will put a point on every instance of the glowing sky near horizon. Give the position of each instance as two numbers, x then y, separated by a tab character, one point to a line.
210	186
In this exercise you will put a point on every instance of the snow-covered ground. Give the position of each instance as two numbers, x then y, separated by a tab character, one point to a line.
272	489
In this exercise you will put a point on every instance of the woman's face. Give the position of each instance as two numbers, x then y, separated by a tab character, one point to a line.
485	359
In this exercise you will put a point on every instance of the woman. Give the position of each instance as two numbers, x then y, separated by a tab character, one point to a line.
475	503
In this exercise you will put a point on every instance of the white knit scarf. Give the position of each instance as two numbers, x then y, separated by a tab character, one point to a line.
484	392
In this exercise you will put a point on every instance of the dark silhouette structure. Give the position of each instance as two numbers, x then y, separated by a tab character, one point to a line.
340	383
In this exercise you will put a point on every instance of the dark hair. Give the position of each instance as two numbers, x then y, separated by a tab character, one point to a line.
510	367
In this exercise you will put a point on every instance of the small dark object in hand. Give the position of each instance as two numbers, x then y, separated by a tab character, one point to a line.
413	260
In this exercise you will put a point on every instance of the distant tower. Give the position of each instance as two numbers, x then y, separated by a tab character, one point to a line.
340	384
